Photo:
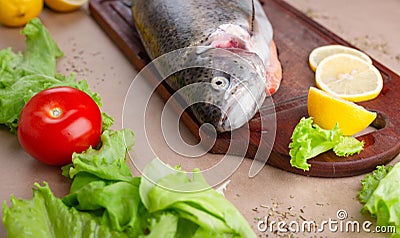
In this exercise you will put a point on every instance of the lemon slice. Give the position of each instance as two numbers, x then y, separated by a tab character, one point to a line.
349	77
320	53
15	13
328	110
64	5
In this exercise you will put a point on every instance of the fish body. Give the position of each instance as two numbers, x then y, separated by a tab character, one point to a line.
230	39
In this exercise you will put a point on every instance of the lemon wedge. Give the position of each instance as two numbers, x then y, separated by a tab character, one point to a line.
16	13
320	53
64	5
348	77
327	110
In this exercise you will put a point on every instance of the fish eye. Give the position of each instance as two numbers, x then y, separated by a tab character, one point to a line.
220	83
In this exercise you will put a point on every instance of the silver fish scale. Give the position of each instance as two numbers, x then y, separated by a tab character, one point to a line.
167	25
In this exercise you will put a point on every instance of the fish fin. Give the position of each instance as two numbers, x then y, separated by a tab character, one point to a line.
274	70
253	17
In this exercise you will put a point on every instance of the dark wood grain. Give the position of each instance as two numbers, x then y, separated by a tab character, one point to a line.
295	35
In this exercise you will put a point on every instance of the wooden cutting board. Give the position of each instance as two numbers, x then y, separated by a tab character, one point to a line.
295	35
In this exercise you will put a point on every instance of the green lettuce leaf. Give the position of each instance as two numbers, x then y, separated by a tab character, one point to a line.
41	50
117	204
192	200
348	145
104	186
310	140
22	75
371	182
45	216
163	226
108	162
380	195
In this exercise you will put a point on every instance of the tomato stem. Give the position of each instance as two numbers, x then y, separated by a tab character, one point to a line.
55	112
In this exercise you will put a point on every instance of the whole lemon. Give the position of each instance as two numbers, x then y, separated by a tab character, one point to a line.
16	13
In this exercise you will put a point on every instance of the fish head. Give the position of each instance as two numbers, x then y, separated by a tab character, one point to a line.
234	90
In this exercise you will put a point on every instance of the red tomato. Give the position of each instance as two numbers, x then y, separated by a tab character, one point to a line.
57	122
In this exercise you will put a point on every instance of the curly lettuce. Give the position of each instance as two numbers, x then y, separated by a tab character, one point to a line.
24	74
310	140
44	215
380	195
193	201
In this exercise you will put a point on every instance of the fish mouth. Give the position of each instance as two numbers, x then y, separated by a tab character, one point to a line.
245	94
240	107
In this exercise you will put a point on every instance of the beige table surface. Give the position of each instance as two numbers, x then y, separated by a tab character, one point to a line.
368	24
